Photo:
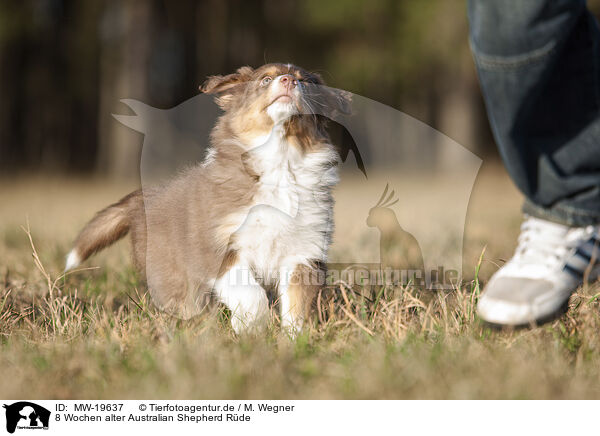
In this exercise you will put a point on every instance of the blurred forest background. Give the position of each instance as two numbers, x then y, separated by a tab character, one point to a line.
65	64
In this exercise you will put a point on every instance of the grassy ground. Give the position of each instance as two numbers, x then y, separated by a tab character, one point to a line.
95	334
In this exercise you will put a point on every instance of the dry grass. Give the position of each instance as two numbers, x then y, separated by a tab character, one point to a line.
96	334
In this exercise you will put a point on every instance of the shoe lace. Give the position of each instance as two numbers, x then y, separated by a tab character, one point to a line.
544	243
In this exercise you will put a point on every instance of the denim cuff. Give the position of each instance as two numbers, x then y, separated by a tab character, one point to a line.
562	214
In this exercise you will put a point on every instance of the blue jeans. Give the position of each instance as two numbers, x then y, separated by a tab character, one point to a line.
539	67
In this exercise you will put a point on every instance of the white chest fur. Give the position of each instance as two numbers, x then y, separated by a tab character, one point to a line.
290	219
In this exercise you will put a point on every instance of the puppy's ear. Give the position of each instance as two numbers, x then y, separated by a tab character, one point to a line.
336	101
225	86
340	101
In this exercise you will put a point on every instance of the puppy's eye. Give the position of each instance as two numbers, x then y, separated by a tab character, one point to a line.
266	80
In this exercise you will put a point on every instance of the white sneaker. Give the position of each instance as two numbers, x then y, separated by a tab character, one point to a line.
549	264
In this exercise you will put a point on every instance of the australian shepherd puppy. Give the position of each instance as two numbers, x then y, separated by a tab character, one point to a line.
252	223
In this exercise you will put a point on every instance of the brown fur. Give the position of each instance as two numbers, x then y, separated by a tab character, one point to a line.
108	225
303	289
181	231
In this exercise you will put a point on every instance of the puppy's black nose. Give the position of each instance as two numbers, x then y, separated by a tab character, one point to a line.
288	81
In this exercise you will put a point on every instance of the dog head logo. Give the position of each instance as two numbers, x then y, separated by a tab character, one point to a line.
26	415
432	175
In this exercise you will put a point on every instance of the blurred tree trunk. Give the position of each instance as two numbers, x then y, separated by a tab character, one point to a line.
461	115
10	106
455	116
211	43
126	30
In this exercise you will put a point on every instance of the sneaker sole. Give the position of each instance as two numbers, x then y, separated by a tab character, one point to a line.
593	276
564	307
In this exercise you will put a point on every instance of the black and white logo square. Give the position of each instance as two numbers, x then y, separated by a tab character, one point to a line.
26	415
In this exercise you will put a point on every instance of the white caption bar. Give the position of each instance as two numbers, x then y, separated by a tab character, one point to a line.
23	417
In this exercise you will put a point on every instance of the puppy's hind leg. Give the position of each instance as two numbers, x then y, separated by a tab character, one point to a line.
242	294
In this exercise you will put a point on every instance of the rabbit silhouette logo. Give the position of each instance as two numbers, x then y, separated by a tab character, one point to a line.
26	415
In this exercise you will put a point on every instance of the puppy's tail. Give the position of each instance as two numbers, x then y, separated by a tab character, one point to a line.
108	226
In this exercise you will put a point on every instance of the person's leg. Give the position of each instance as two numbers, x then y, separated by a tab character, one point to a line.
539	67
